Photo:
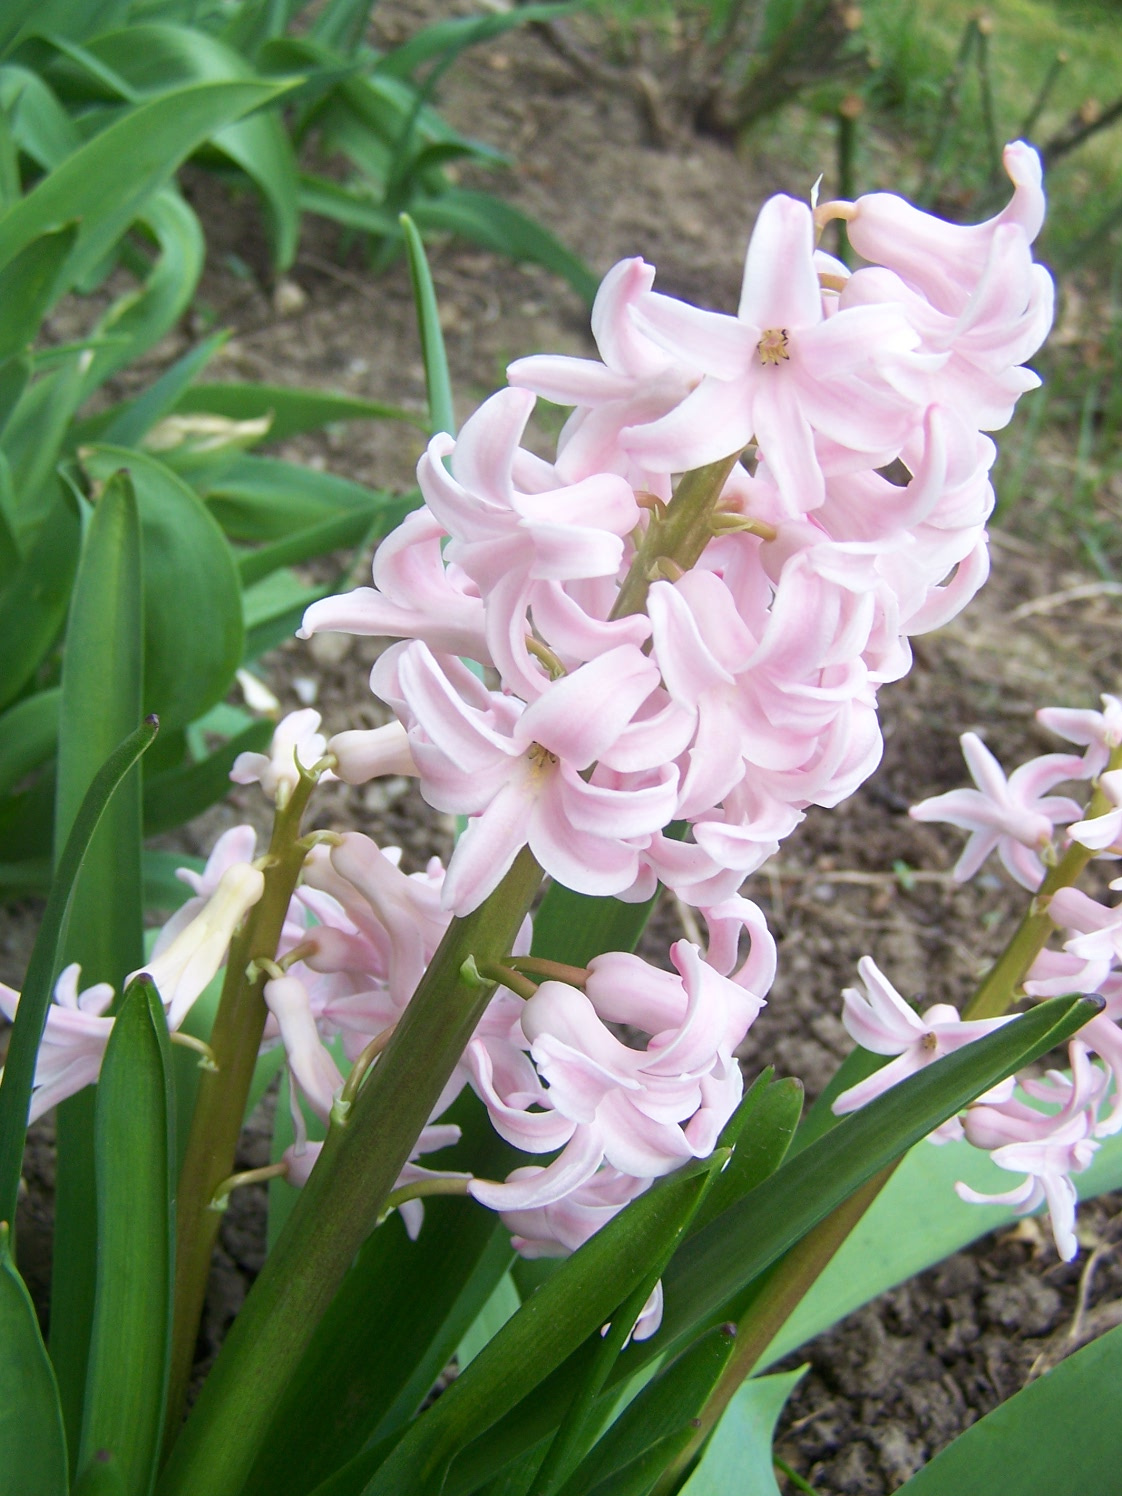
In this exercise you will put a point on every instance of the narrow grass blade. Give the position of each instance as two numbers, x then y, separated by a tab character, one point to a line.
438	381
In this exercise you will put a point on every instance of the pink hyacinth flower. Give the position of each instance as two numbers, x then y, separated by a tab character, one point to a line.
74	1039
637	382
182	969
1099	732
1014	816
881	1021
297	743
1046	1148
780	372
944	262
1103	833
643	1111
416	595
517	774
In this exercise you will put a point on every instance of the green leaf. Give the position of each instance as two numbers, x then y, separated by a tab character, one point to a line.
504	1303
101	678
32	1441
1059	1436
456	34
40	126
178	795
262	498
438	381
137	321
759	1133
33	604
28	736
738	1455
273	609
14	375
128	1366
154	138
415	1301
101	1477
341	531
154	57
553	1323
27	284
916	1221
162	889
43	967
352	209
33	441
130	422
575	927
290	409
664	1407
193	636
497	225
725	1256
341	23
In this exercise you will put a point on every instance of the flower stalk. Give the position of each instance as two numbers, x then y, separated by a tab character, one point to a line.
348	1190
224	1086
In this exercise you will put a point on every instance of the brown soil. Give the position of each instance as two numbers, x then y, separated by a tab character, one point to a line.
902	1377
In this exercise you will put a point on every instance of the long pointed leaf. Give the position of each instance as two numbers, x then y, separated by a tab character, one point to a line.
290	409
193	635
27	286
1059	1436
34	603
127	1378
739	1244
32	1442
101	678
583	1293
438	381
19	1066
91	186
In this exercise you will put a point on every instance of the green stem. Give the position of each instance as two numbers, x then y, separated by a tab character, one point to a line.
220	1106
344	1197
680	535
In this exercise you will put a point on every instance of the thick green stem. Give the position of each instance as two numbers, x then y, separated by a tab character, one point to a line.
347	1191
220	1105
680	535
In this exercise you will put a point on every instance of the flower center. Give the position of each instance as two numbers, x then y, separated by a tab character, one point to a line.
930	1042
772	347
541	758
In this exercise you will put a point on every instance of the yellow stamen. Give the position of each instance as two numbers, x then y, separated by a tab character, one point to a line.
772	347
